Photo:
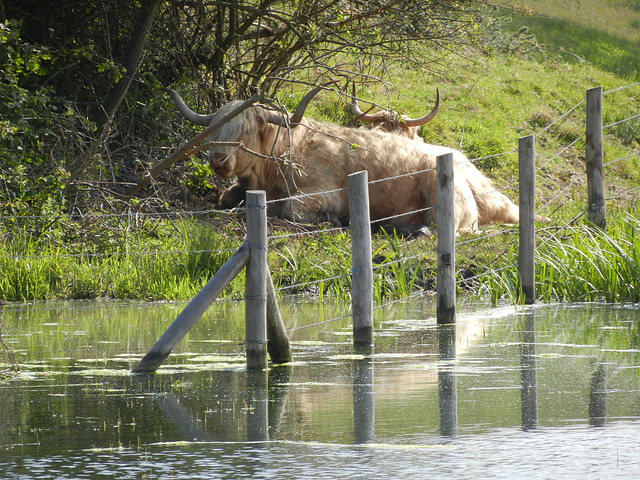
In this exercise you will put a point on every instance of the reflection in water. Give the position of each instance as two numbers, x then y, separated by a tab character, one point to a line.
279	378
257	406
363	400
447	393
264	406
598	396
529	394
189	429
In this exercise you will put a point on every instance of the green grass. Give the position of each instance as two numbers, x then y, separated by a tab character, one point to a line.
174	263
603	33
580	264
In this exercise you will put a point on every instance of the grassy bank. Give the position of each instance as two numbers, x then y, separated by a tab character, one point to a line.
519	83
572	264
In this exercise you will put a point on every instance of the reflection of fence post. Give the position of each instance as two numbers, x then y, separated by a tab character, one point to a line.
256	281
527	241
363	400
447	384
446	273
361	261
528	376
258	402
595	181
598	396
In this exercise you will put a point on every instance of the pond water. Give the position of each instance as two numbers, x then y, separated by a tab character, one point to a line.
542	392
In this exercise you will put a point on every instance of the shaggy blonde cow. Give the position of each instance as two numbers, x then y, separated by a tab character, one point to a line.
314	158
493	206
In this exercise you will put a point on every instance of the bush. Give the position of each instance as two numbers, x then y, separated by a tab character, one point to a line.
37	132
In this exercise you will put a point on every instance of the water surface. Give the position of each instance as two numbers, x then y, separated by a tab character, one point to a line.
543	392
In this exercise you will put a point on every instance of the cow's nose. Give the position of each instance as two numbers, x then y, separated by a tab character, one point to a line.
217	160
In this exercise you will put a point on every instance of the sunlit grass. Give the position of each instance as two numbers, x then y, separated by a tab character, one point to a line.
579	264
169	266
601	32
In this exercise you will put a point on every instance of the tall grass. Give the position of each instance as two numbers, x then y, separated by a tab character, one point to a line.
173	264
580	264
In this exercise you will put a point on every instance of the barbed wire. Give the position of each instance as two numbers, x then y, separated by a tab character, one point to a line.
312	282
115	254
564	149
281	236
130	213
293	329
621	121
562	117
624	87
619	159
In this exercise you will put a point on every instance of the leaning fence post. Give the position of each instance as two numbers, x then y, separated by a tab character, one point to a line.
446	269
361	261
593	158
278	342
193	311
256	281
527	241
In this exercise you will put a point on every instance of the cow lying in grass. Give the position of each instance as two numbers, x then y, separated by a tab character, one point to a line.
289	156
493	206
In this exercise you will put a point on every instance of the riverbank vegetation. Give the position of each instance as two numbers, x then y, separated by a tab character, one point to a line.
67	231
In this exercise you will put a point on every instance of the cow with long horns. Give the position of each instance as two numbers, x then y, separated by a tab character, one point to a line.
493	206
287	157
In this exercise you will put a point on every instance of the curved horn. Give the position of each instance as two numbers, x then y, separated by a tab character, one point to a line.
302	106
416	122
360	115
189	114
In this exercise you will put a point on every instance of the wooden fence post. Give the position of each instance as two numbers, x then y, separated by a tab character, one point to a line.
361	261
527	240
446	269
277	340
594	159
193	311
256	281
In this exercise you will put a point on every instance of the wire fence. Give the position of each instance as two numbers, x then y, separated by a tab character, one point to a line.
572	187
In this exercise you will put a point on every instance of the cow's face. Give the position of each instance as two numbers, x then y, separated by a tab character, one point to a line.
244	131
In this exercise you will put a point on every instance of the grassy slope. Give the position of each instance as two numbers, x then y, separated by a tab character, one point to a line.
527	84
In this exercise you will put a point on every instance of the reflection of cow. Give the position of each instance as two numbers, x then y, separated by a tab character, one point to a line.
493	206
312	157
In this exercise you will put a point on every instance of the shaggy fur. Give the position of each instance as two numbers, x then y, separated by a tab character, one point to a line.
493	206
316	157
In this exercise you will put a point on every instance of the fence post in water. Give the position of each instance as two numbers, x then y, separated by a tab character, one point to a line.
527	240
446	273
361	261
277	340
256	281
193	311
593	156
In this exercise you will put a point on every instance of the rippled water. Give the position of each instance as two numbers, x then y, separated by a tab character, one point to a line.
547	392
